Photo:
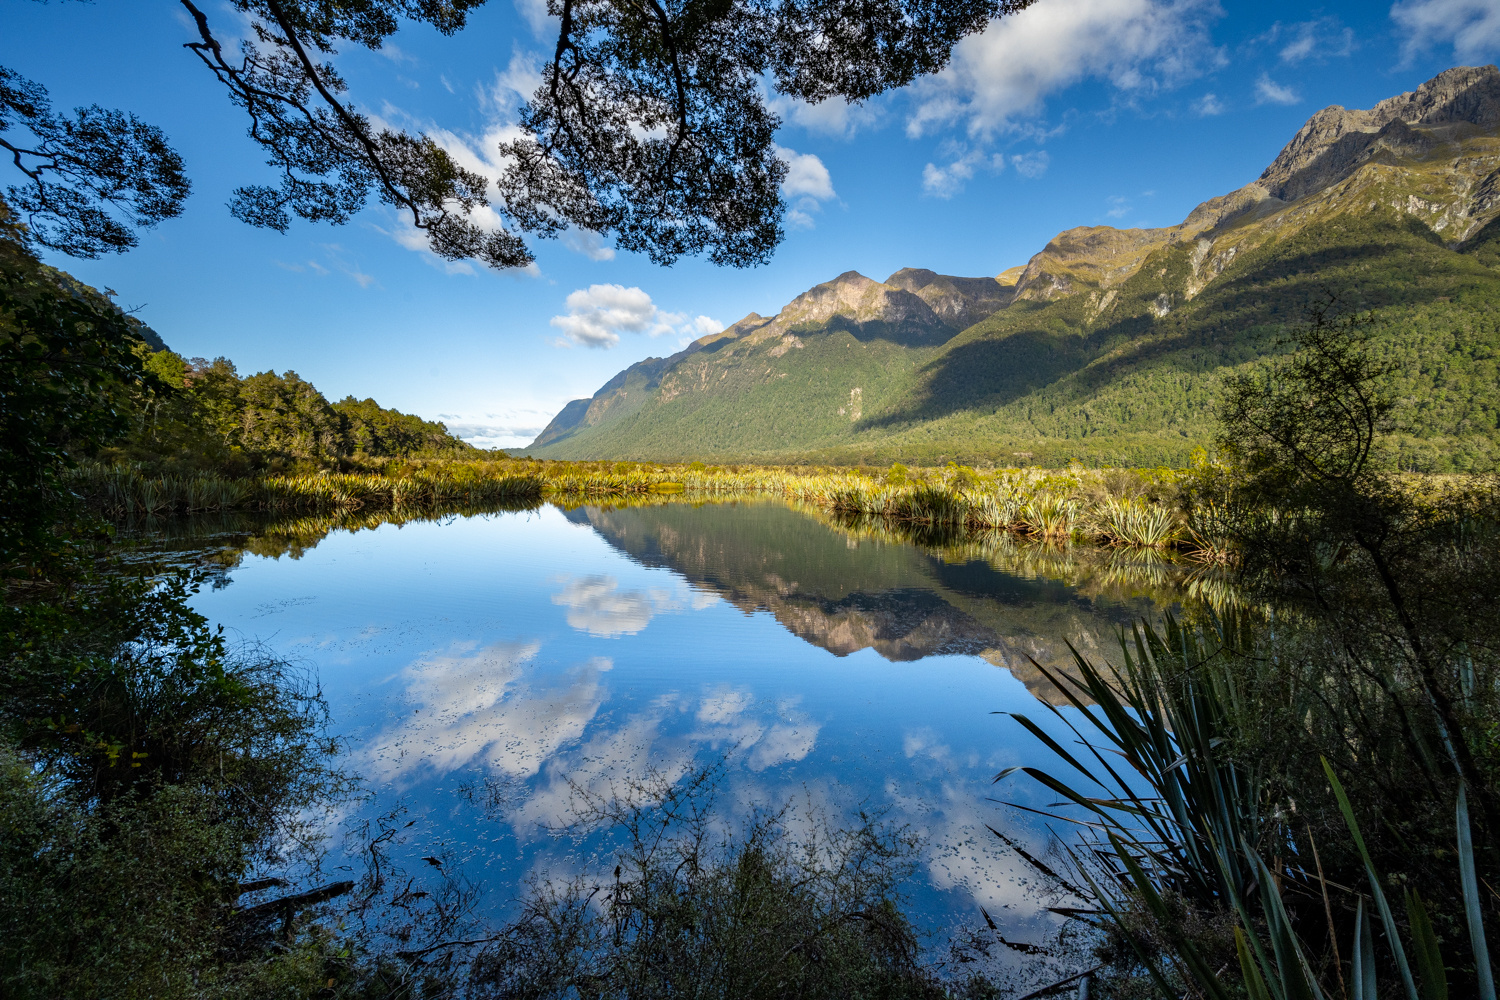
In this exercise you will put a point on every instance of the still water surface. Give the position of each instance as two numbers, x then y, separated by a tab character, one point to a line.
482	668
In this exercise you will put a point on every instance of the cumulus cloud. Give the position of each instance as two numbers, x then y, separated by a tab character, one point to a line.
1268	91
834	117
807	185
479	706
597	315
1472	27
1007	72
947	181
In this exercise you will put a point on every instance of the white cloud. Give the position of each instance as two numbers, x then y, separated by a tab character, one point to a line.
512	428
513	85
590	244
805	175
1268	91
596	605
1008	71
807	181
833	117
1118	207
339	259
1320	39
479	706
535	13
480	153
945	182
727	718
1209	104
597	316
1472	27
1033	164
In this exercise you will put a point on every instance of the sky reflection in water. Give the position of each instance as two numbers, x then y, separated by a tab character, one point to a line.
523	655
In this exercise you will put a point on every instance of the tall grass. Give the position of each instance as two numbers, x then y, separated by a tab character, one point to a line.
122	492
1055	506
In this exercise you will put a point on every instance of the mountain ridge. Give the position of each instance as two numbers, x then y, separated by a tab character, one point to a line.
925	365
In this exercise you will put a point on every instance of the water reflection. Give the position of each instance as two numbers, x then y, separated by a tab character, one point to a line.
489	671
478	706
862	586
597	606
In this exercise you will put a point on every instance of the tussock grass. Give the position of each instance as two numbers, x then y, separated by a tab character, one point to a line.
1127	508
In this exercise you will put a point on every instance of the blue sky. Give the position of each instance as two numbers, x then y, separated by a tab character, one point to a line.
1075	112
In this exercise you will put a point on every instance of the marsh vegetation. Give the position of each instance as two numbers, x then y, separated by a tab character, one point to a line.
1288	791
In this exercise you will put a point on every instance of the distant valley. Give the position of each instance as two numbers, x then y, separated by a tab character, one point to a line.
1108	345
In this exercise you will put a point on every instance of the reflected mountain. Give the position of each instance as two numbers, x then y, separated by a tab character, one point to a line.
906	592
846	587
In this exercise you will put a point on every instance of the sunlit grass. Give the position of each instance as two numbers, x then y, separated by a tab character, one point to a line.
1057	505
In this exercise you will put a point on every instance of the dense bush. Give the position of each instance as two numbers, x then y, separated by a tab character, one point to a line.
202	416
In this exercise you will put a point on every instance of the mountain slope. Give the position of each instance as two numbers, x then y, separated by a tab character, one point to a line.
1108	345
808	374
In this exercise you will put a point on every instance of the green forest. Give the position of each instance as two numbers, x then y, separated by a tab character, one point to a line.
1048	383
196	415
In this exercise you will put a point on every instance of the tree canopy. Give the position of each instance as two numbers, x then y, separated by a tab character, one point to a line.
651	125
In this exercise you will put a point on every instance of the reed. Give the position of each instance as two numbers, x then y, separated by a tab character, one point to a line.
1054	506
124	493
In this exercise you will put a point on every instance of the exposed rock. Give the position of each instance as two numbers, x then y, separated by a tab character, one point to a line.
1432	155
1336	139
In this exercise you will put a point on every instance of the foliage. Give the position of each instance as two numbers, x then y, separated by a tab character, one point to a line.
79	168
651	124
202	416
1318	739
690	912
68	363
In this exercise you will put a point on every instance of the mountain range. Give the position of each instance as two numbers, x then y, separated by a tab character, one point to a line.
1109	344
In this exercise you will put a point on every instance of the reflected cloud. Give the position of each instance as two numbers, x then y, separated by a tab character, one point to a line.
653	743
728	720
478	706
596	605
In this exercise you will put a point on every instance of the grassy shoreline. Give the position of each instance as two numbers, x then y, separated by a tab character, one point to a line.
1137	508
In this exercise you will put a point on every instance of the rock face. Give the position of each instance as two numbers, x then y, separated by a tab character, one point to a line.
912	308
926	364
1334	144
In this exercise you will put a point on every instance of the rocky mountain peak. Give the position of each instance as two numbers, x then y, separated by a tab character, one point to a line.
1463	94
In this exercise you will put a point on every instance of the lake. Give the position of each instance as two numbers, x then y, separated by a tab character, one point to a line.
486	670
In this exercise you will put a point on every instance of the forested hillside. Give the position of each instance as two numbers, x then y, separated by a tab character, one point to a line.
1109	345
196	414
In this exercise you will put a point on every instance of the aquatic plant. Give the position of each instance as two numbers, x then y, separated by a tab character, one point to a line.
1134	522
1012	500
1048	514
